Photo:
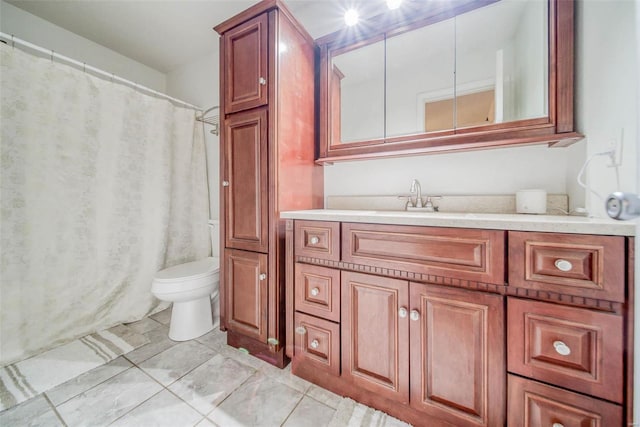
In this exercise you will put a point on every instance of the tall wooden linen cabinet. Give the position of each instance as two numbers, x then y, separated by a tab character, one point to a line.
267	154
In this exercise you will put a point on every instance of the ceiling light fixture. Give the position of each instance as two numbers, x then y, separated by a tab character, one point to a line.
393	4
351	17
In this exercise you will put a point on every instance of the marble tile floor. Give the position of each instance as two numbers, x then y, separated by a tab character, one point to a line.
202	382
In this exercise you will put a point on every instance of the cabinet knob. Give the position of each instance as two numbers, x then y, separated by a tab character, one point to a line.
314	344
225	183
314	240
561	348
262	81
557	425
415	315
315	292
402	313
262	276
563	265
301	330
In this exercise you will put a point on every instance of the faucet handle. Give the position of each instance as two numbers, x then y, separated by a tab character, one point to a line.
429	202
407	201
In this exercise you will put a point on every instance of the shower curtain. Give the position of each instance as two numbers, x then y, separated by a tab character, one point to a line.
100	187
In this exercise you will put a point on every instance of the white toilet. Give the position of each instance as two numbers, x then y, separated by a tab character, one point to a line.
190	287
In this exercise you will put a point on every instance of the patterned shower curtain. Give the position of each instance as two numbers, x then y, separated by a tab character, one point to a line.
100	187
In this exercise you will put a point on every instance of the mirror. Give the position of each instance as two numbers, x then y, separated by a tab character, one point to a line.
420	69
357	80
458	75
501	75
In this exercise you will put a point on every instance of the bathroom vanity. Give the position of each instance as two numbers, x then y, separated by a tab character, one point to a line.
464	319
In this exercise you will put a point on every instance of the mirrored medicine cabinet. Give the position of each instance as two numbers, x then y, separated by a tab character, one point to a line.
448	75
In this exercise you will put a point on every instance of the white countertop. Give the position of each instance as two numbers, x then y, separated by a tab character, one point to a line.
520	222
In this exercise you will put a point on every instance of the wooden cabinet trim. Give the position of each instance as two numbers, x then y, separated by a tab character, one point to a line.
533	404
596	264
318	239
465	390
317	291
467	254
246	195
247	295
246	83
375	358
324	336
591	360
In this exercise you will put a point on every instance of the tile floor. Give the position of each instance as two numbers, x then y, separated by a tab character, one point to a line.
200	383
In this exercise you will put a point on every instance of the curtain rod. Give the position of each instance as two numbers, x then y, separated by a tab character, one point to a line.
10	38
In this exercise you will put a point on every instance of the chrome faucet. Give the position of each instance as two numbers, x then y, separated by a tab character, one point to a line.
419	204
415	188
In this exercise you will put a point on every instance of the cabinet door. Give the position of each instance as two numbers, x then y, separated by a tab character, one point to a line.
245	181
245	65
246	296
374	335
458	355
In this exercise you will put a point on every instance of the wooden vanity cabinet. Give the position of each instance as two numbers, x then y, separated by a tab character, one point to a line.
427	329
422	352
267	153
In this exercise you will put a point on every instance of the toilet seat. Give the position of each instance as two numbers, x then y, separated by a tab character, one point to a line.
189	271
185	277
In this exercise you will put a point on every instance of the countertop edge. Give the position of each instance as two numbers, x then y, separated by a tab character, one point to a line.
510	222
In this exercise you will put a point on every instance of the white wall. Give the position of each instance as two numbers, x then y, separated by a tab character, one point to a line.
35	30
607	75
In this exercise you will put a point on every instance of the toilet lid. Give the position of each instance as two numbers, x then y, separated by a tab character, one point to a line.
190	270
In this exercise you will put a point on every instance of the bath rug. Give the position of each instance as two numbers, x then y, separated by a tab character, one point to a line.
353	414
26	379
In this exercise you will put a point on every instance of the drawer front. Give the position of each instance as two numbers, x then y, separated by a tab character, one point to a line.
571	347
317	291
533	404
318	239
586	266
467	254
317	342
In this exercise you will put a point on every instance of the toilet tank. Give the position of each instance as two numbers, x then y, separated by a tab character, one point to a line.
214	227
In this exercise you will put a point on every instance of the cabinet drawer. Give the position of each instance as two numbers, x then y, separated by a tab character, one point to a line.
586	266
571	347
318	239
317	291
467	254
533	404
317	342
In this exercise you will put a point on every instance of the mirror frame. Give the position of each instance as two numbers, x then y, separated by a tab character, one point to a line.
556	129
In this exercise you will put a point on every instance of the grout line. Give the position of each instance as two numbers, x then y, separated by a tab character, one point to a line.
55	410
293	410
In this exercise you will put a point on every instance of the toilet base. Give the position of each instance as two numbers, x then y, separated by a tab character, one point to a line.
190	319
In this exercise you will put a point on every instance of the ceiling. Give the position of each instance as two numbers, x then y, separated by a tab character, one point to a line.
165	34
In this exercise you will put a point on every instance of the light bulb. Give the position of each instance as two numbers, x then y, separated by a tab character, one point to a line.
393	4
351	17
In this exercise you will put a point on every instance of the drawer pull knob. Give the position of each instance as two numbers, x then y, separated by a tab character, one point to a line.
301	330
315	292
225	183
557	425
402	312
561	348
262	81
314	240
415	315
563	265
314	344
262	276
